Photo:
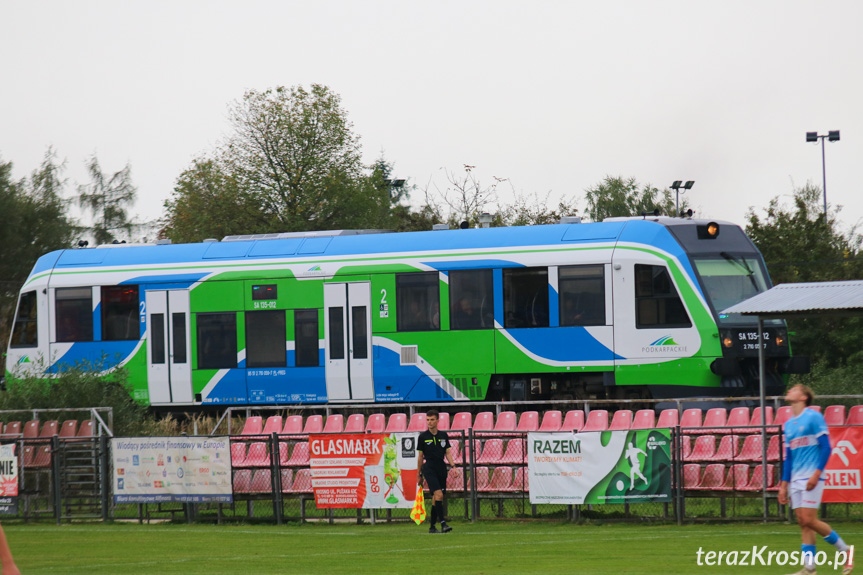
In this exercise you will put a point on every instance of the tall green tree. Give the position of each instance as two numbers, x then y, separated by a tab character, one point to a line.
35	221
802	244
618	196
294	151
108	198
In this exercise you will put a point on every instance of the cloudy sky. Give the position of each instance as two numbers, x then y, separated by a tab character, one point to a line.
553	96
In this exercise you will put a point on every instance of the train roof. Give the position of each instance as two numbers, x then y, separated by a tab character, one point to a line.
651	230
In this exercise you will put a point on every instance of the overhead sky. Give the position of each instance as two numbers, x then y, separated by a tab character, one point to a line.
553	96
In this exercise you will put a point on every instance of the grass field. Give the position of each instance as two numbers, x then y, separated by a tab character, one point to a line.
482	547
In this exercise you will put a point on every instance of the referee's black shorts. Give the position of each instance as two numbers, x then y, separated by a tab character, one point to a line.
435	476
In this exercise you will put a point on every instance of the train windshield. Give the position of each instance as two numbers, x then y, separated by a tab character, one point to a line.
729	279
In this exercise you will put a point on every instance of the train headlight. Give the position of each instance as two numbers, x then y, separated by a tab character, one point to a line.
727	342
709	231
781	339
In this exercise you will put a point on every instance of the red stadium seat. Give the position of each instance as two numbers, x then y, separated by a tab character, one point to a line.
31	429
729	447
243	481
26	456
621	420
455	451
756	480
68	429
528	421
755	420
50	429
335	423
87	429
501	479
274	424
514	452
597	420
739	416
376	423
461	455
258	455
43	456
815	408
691	421
783	414
418	422
261	481
855	415
685	447
254	425
713	478
704	448
443	421
12	428
461	421
287	476
300	455
398	422
714	421
773	448
492	452
484	421
644	419
283	454
551	420
482	479
739	476
314	424
751	450
356	423
573	421
668	418
506	421
302	481
455	479
520	482
293	425
238	454
691	476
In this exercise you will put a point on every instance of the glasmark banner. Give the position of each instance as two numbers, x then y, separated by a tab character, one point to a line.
368	470
161	469
600	467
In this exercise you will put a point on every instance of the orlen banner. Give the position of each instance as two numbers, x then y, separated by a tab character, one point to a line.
8	480
842	474
368	470
185	469
600	467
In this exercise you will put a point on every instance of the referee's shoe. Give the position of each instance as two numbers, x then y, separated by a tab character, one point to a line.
444	528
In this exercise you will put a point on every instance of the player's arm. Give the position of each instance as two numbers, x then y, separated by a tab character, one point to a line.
786	476
824	451
449	457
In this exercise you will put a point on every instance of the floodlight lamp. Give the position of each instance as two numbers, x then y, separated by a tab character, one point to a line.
811	136
833	135
688	185
676	185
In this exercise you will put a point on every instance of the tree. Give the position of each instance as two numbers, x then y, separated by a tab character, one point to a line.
463	198
534	210
108	198
616	196
294	152
800	244
35	221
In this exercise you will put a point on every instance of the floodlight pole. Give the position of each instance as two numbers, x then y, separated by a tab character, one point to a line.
833	136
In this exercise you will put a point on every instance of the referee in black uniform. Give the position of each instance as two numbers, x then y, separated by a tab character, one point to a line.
434	444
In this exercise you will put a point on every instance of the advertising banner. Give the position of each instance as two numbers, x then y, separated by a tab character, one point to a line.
161	469
8	480
600	467
842	474
364	470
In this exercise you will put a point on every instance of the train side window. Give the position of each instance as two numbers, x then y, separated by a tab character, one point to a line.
657	303
418	301
582	295
337	333
74	310
306	338
120	313
471	299
265	339
217	340
25	332
525	297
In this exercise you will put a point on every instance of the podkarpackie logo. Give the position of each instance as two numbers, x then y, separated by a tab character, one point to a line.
664	344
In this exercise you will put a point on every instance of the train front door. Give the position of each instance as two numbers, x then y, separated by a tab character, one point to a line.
347	332
169	373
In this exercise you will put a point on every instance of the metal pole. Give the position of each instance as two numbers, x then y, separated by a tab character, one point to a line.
824	177
762	385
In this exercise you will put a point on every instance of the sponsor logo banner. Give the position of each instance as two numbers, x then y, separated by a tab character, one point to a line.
163	469
600	467
364	470
8	480
842	474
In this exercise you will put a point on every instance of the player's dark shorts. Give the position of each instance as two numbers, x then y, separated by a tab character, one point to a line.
435	476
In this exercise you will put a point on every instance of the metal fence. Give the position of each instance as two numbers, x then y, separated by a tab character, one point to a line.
717	473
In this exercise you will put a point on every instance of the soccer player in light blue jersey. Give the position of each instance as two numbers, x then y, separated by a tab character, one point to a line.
807	449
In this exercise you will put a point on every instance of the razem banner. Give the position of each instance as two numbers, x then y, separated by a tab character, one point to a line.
161	469
600	467
842	474
8	480
368	470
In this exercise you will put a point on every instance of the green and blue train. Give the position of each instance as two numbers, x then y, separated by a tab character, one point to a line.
625	308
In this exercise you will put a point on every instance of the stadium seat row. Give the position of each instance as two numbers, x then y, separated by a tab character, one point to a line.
718	477
35	429
730	448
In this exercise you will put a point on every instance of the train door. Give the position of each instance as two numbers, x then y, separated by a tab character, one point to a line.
169	373
347	332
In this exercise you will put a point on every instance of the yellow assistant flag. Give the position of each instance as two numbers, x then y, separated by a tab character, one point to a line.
418	513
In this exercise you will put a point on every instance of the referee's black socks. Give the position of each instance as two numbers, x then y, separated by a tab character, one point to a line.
438	510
